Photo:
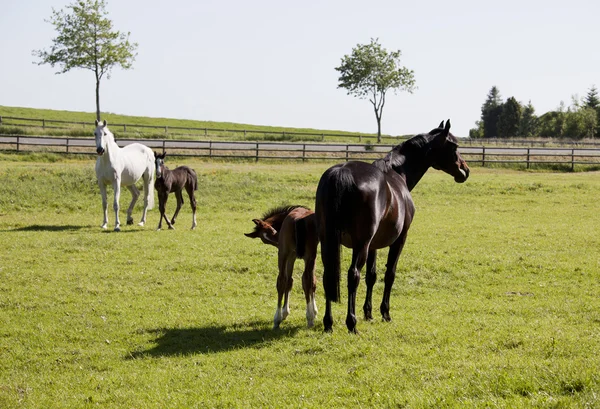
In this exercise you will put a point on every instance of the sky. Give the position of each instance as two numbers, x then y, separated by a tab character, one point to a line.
273	62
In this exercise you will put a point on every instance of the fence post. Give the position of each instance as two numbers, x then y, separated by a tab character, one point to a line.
18	140
0	119
303	152
483	158
67	145
166	129
124	128
43	123
347	149
527	158
163	145
322	137
210	149
572	160
256	151
360	138
205	132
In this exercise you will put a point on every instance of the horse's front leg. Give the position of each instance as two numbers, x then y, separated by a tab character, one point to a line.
390	273
135	193
309	285
370	279
359	257
117	190
104	204
179	197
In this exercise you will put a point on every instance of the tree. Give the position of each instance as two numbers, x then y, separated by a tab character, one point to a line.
510	118
529	122
591	100
370	72
86	40
490	113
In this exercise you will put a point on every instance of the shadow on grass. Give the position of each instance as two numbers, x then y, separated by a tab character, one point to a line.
39	227
208	340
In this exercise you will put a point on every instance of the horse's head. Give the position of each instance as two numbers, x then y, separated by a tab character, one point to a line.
159	162
444	153
103	136
264	231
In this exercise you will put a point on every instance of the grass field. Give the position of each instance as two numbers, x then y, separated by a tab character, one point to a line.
222	130
496	301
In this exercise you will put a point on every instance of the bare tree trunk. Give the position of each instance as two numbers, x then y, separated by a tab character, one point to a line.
97	99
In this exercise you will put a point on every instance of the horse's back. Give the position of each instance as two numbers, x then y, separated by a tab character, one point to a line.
138	160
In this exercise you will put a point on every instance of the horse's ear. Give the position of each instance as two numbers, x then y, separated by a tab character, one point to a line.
447	127
155	154
257	221
97	122
104	123
252	235
441	125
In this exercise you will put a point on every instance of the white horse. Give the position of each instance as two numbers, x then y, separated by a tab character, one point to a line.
123	167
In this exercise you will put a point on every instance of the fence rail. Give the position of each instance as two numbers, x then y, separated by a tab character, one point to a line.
484	156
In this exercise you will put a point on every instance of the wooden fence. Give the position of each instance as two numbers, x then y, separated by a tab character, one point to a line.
484	156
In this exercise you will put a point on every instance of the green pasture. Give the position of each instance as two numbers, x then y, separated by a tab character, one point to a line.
496	301
220	130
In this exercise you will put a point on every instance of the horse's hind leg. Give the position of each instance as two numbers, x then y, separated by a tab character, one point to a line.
179	197
359	257
309	285
162	204
190	191
284	283
370	279
135	193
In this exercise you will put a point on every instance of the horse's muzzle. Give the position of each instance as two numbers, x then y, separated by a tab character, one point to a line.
464	174
100	151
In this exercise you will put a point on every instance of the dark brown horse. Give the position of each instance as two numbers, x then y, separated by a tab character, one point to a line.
369	206
174	181
293	230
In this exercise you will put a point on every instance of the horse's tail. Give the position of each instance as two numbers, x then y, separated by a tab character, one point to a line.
335	184
151	171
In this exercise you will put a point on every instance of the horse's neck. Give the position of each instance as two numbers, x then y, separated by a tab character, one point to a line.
413	169
277	221
113	150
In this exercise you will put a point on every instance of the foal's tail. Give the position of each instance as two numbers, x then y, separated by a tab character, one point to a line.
192	178
334	185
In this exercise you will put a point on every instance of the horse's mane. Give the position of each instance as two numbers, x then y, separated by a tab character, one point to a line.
396	156
284	209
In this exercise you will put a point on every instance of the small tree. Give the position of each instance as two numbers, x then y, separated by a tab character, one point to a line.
510	118
86	39
370	72
529	122
490	113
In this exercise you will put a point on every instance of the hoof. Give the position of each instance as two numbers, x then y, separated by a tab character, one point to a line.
129	222
104	226
171	227
141	224
117	229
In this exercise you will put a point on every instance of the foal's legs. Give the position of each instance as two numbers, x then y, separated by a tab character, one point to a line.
163	196
284	285
190	192
135	193
309	285
370	279
104	204
390	273
179	197
359	257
